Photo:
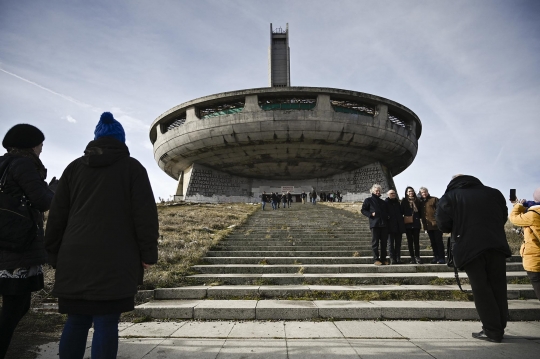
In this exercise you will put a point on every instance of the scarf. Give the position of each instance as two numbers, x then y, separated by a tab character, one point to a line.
412	203
29	153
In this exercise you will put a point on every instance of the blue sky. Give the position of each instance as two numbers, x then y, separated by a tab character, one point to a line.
469	69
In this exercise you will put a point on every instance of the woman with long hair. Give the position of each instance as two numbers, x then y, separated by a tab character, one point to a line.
410	205
21	272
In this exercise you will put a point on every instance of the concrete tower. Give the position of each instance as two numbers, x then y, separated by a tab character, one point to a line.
279	71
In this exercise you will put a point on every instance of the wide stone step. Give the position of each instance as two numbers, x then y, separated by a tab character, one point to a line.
299	253
301	241
326	309
310	260
334	278
515	291
330	268
363	248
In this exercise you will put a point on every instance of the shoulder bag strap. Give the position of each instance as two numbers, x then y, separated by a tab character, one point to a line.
7	166
25	202
457	279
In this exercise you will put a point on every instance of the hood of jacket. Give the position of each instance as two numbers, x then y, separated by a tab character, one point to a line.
464	181
104	152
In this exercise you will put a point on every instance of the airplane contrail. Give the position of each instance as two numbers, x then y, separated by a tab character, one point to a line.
65	97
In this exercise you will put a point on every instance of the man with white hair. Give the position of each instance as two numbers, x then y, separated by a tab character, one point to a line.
428	205
475	215
377	211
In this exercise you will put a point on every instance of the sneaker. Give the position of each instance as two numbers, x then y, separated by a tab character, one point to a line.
482	336
418	260
378	263
412	261
441	261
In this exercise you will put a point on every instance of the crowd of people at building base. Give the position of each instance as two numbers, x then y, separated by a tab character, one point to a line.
286	199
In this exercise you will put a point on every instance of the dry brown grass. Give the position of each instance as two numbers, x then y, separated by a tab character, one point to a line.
188	231
514	239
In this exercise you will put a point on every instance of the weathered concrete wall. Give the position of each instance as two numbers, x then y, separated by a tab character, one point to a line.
208	185
281	144
203	184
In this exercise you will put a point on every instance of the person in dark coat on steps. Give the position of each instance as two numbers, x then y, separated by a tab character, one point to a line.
410	205
396	227
21	273
102	233
428	205
377	211
475	215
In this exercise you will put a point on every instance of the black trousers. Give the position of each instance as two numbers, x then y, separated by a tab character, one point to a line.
379	237
535	281
394	245
435	237
487	275
413	241
14	307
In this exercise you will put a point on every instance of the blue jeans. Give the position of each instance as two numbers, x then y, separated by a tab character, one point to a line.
75	333
263	204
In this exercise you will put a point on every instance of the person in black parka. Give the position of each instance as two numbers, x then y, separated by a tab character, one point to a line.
21	273
396	227
475	215
377	211
102	232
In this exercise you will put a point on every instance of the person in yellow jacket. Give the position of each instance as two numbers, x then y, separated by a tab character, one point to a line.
529	219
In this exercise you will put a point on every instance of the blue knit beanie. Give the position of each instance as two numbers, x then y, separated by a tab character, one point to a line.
108	126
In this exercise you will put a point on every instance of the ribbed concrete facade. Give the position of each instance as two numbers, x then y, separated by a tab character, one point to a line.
297	137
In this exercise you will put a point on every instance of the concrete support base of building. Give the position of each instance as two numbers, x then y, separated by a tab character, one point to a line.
202	184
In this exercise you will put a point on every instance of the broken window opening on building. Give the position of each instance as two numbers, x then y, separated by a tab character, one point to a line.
395	119
221	109
347	106
288	103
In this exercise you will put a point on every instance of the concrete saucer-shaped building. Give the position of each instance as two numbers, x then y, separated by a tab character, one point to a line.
232	146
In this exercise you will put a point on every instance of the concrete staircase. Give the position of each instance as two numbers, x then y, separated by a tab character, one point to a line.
314	261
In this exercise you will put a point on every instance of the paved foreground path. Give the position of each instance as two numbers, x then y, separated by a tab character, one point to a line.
296	339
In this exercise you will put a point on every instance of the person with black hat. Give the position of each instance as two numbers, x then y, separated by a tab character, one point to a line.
21	272
102	233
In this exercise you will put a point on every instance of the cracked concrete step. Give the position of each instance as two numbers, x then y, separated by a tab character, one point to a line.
326	309
332	279
298	253
310	260
331	268
515	291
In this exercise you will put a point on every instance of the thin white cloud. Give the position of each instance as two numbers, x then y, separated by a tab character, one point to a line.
70	119
65	97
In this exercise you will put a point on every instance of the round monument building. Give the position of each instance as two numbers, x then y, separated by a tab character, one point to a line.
232	146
